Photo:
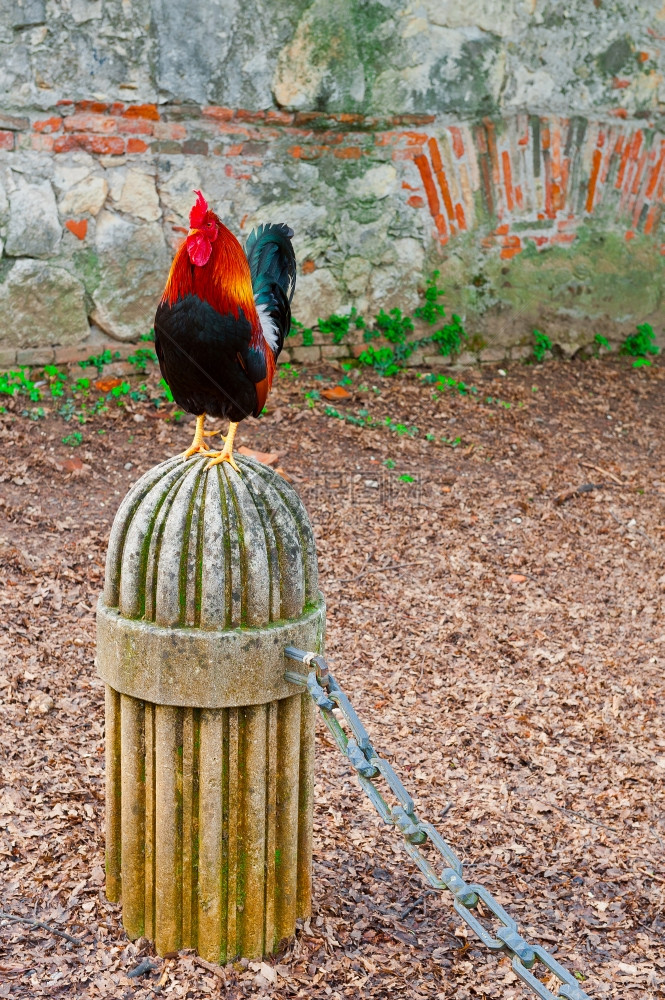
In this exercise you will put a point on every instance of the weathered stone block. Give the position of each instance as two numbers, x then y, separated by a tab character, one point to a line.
14	123
35	356
41	304
138	197
306	355
335	351
34	227
7	358
133	264
28	12
317	294
71	355
322	64
85	198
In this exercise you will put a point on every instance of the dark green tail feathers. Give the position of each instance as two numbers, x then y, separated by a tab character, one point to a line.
272	265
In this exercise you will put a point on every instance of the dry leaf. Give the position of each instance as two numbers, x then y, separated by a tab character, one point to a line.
106	384
336	392
40	704
265	457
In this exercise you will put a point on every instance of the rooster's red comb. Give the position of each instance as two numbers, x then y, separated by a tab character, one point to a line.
197	214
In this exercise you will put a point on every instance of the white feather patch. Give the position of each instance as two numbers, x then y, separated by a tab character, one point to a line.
268	328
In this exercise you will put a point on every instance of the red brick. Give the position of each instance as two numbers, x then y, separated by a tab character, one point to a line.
652	218
308	266
307	152
163	146
306	117
279	117
135	126
53	124
196	147
6	140
136	146
13	123
403	154
96	107
596	161
35	356
101	144
117	108
412	119
63	144
42	143
511	246
348	153
458	142
219	114
79	227
64	102
148	111
90	123
563	237
71	354
242	115
169	130
415	201
186	111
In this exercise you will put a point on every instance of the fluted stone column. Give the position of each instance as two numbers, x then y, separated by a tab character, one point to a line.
209	753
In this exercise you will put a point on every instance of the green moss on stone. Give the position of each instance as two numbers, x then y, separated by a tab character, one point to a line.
616	56
87	268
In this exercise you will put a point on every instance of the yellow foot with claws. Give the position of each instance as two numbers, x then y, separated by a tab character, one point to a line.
200	448
198	445
222	456
226	454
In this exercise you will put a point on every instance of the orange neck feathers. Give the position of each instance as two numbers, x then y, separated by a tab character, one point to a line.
224	282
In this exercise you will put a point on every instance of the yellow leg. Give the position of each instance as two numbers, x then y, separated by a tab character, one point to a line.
198	445
226	454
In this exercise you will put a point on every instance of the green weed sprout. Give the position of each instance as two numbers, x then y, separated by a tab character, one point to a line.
541	345
640	345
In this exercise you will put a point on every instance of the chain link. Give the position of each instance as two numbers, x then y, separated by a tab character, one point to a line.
357	748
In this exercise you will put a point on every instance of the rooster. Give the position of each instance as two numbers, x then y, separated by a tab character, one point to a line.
221	322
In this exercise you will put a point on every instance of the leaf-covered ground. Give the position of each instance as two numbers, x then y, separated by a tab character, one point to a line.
495	614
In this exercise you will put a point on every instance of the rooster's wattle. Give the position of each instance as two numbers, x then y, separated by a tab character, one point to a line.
222	320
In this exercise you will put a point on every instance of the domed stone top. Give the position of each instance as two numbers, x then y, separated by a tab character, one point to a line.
212	550
209	575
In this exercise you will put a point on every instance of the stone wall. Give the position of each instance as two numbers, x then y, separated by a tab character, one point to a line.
514	145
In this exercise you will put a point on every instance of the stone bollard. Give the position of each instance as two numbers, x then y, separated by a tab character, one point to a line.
209	753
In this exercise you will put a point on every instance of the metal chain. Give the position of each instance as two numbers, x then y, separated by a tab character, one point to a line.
357	748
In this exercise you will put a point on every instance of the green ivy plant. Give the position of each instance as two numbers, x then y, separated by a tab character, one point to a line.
640	345
541	345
